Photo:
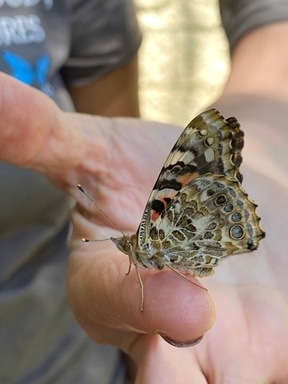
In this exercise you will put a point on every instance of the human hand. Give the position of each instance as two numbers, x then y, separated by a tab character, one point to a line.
249	291
117	161
249	339
251	326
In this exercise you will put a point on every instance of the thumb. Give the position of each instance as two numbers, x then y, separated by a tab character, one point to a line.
38	135
24	129
106	301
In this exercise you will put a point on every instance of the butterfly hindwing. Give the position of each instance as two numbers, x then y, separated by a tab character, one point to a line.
209	219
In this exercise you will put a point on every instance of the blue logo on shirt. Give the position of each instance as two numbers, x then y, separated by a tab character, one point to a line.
34	75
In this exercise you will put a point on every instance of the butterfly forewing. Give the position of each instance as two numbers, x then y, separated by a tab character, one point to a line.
209	144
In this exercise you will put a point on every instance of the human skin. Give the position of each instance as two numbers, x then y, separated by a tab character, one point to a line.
117	161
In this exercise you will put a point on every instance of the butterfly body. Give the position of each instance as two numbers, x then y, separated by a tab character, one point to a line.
198	212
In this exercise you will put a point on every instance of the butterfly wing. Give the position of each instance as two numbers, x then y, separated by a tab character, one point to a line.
209	219
20	68
209	144
198	212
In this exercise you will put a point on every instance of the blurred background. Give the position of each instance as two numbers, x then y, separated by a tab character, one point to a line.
184	58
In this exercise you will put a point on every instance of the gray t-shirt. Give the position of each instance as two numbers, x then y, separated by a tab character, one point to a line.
240	17
42	42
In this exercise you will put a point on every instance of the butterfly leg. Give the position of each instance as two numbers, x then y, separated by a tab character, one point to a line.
142	288
129	268
140	282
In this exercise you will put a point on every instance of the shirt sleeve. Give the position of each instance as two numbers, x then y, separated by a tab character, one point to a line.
104	35
241	16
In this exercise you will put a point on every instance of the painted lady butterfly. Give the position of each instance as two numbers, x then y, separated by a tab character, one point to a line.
198	212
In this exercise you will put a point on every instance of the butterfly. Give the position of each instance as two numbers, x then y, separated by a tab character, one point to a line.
197	213
35	75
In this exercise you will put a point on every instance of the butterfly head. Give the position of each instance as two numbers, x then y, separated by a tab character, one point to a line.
123	244
127	245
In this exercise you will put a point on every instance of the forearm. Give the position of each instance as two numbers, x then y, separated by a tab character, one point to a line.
38	135
114	94
259	63
257	94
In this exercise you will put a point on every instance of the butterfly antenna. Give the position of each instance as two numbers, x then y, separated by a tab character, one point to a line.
79	186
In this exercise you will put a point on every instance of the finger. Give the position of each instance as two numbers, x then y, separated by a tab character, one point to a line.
37	134
161	363
24	130
73	148
251	328
103	296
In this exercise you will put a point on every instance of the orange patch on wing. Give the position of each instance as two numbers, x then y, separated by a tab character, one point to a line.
155	216
186	179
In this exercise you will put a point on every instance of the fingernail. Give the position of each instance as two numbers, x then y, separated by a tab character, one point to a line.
181	344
